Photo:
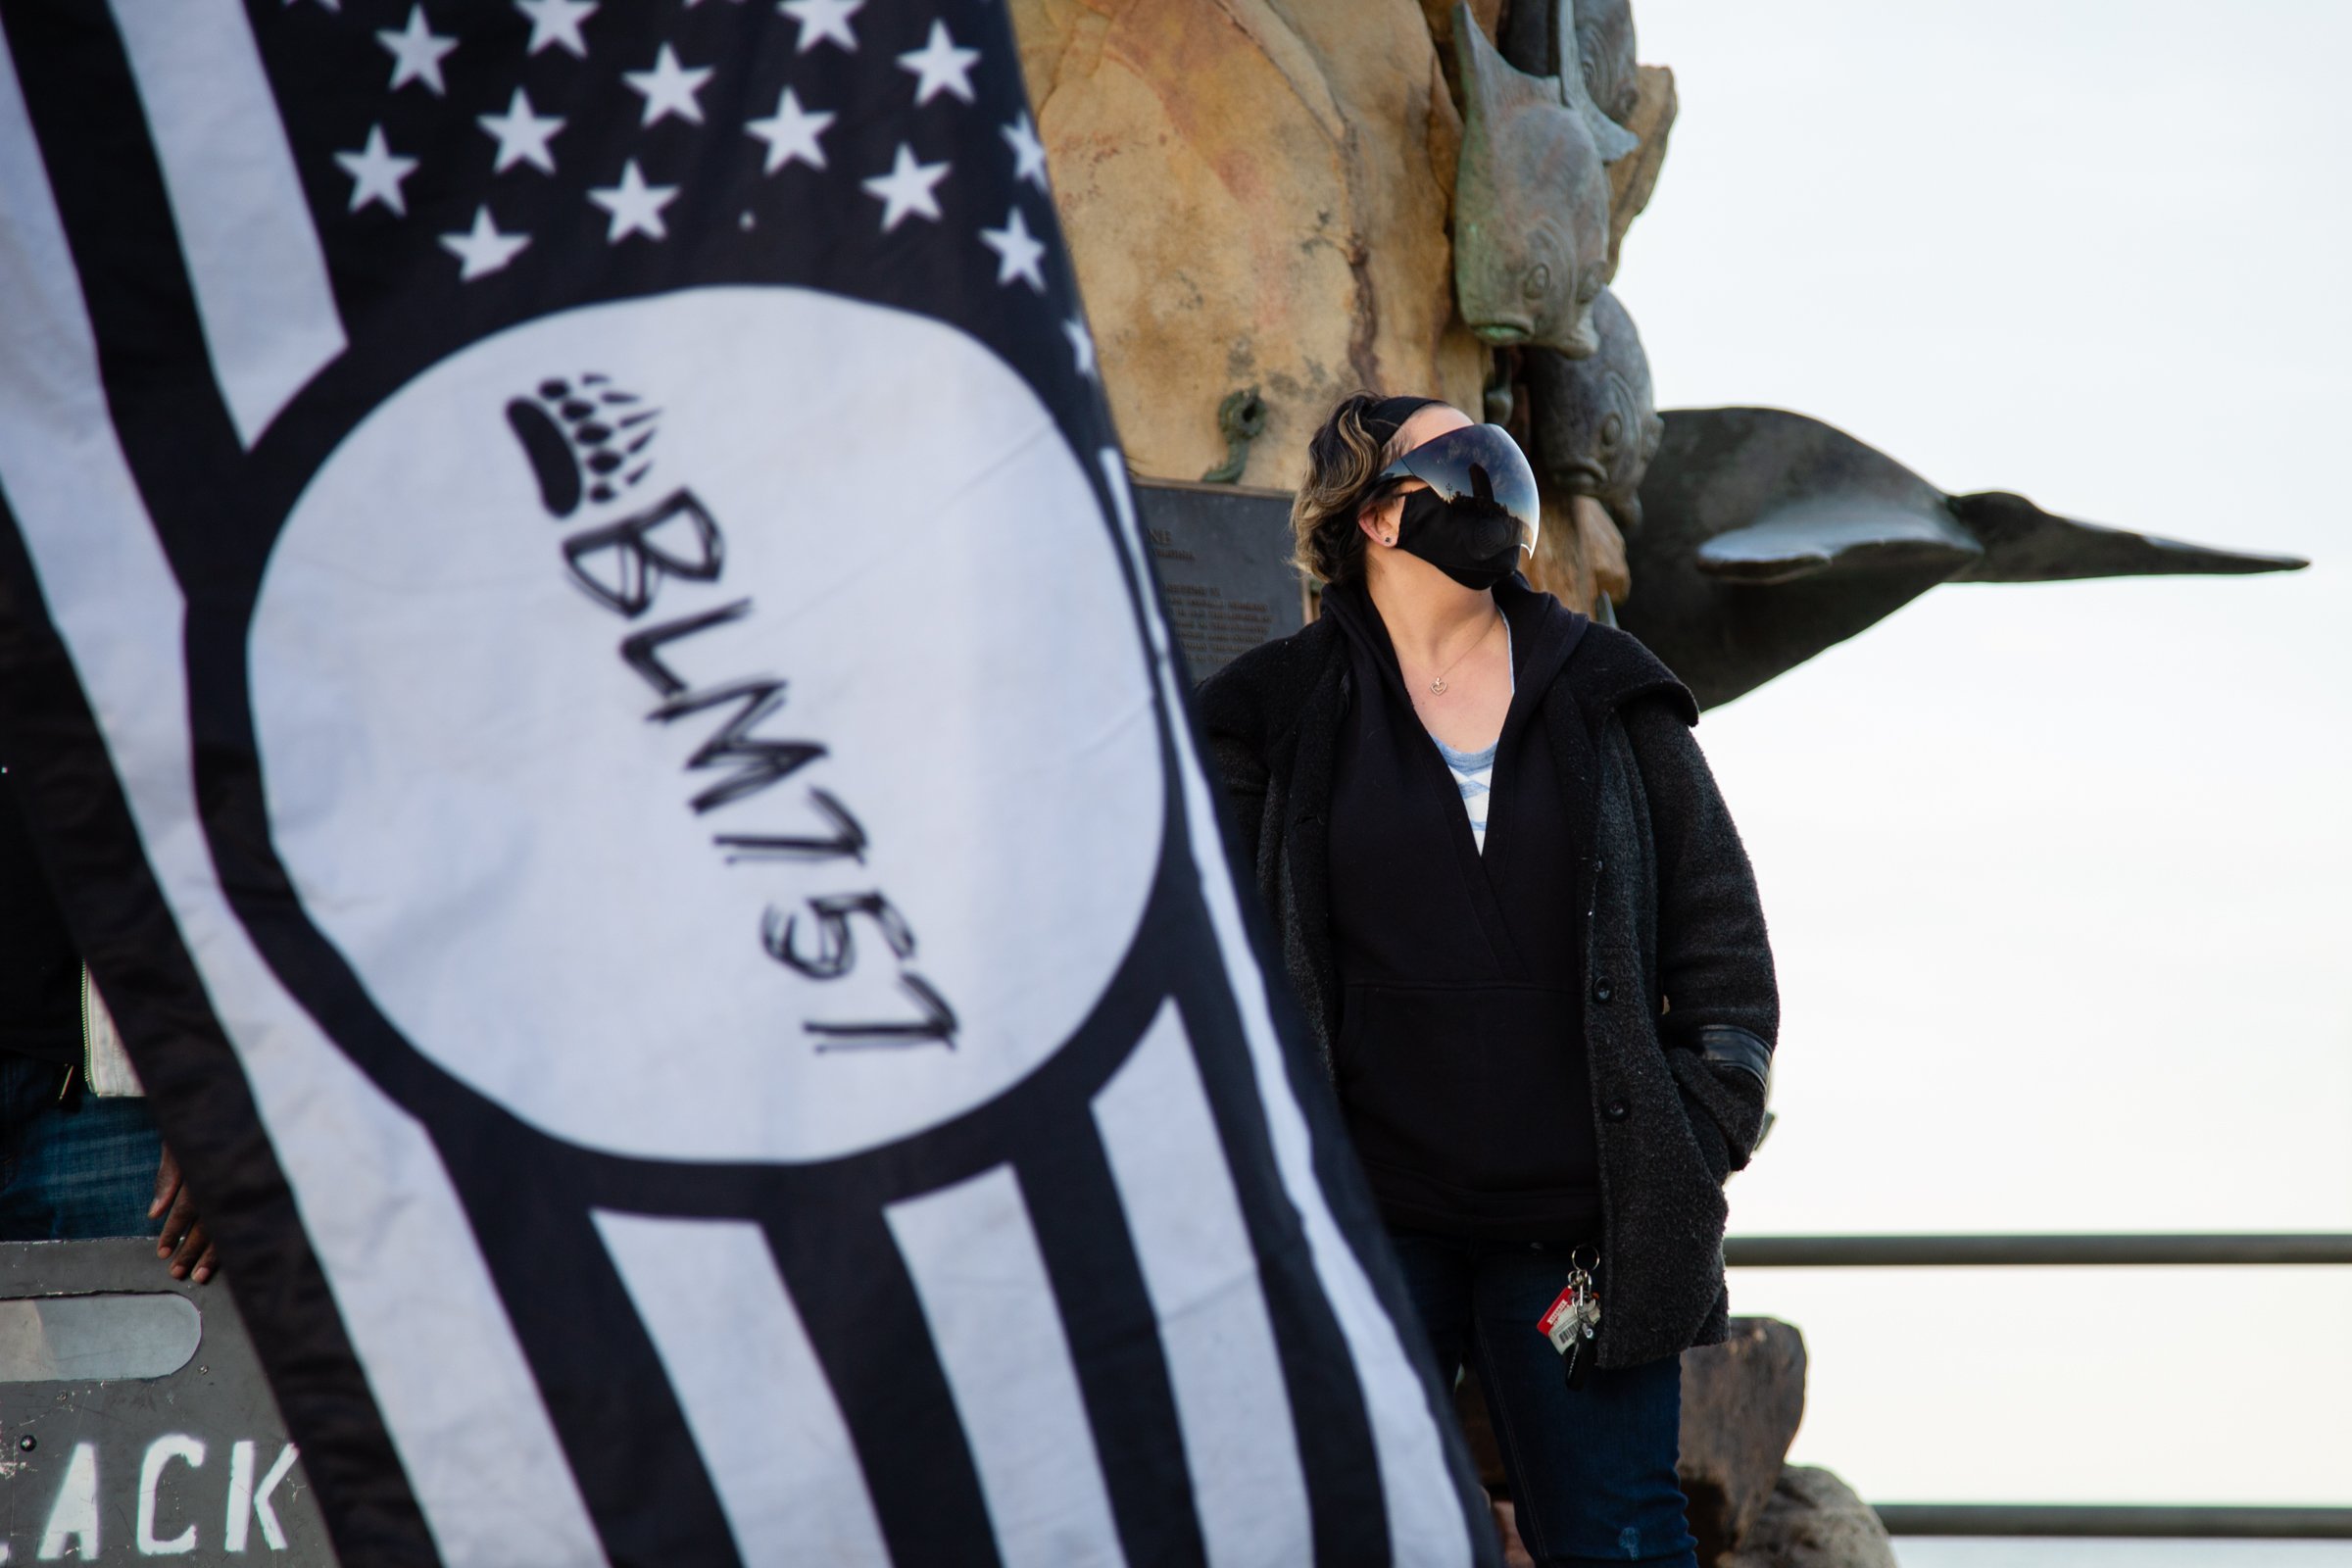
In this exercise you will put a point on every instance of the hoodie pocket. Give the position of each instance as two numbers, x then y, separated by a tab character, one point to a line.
1475	1087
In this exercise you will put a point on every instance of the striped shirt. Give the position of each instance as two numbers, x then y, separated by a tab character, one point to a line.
1473	773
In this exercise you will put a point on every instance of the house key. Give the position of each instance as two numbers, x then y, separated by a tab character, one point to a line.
1572	1323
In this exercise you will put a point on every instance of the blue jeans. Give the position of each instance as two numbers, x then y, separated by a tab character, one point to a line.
74	1166
1592	1470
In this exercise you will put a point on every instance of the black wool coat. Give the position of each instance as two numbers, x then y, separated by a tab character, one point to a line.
1681	1005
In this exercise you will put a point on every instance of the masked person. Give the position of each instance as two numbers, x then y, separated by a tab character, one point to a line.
1529	948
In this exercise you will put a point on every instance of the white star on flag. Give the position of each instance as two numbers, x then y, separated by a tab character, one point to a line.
791	132
940	67
1017	251
377	171
483	250
417	53
635	206
907	188
823	21
1028	153
669	88
522	137
1082	344
557	23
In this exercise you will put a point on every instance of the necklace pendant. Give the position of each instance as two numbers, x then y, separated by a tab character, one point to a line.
1437	687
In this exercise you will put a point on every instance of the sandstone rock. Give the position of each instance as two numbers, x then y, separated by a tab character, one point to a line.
1256	193
1741	1402
1439	14
1633	176
1581	555
1814	1520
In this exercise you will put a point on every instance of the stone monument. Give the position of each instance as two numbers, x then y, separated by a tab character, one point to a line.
1273	202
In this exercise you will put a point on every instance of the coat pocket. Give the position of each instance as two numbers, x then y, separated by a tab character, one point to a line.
1714	1149
1721	1114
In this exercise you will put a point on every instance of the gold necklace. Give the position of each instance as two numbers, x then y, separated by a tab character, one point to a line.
1436	685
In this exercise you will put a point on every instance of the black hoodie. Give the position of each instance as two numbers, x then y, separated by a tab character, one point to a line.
1459	1052
1665	905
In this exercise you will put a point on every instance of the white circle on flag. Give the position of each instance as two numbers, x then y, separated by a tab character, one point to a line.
885	653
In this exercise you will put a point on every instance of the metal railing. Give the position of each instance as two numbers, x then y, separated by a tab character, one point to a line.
2037	1250
2108	1521
2120	1520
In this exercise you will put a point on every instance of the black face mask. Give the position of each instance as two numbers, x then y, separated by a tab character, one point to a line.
1476	545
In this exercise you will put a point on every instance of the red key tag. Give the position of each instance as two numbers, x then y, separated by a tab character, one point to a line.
1562	1322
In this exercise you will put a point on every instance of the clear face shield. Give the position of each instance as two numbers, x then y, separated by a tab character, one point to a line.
1480	517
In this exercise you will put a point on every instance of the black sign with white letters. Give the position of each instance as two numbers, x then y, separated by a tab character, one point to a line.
134	1419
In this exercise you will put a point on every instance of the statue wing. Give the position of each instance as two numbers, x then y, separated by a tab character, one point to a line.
1768	536
2025	544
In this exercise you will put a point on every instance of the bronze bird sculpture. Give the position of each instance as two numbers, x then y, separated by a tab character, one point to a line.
1768	536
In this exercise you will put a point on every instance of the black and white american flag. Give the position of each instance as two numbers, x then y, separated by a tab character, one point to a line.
571	621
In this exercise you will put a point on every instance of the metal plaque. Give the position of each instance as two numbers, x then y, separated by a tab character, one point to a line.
1224	559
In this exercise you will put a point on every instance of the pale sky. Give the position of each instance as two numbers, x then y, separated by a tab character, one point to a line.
2057	874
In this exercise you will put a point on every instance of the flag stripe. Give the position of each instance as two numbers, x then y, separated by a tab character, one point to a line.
1326	1396
408	1278
1202	1274
849	1280
1114	1336
1427	1524
592	1353
990	1307
260	277
763	1417
170	419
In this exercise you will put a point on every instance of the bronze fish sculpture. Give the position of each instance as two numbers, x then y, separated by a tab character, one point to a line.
1531	215
1593	421
1604	47
1591	433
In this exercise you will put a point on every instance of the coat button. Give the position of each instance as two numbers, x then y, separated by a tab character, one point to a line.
1615	1110
1603	991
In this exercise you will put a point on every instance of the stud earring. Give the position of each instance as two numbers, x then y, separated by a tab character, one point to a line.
1390	540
